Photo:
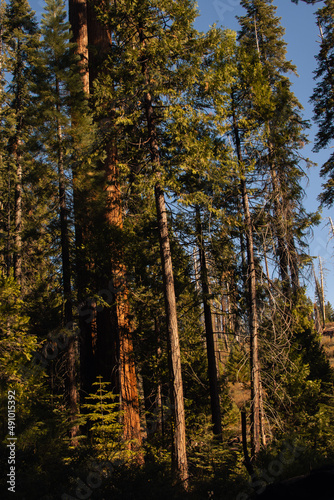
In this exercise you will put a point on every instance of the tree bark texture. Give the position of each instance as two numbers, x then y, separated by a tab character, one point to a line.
78	20
114	348
179	456
179	442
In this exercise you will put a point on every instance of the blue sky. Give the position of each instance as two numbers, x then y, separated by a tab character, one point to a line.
302	39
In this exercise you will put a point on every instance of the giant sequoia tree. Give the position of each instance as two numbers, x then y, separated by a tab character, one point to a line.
106	344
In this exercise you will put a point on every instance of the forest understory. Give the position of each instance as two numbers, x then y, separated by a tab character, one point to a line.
156	336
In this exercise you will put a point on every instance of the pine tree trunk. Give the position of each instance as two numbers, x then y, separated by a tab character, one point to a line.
286	249
18	214
256	410
71	383
179	453
280	225
179	442
180	463
159	398
322	303
253	324
293	262
210	344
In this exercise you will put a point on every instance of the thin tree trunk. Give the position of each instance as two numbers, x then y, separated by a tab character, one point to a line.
210	344
253	323
293	262
285	242
280	223
247	461
256	409
18	214
18	181
323	306
197	285
9	256
227	320
179	456
71	383
179	444
141	395
159	398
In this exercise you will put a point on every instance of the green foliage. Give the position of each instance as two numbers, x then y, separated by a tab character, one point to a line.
102	416
329	312
301	375
237	366
322	97
17	344
202	86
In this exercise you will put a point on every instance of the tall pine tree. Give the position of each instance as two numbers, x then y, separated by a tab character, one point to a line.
20	41
59	95
322	98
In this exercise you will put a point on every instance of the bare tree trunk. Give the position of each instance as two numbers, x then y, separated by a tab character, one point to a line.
18	214
253	324
179	456
256	409
323	306
179	444
210	344
319	287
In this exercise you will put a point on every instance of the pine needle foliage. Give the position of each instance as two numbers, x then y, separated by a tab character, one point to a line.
102	415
